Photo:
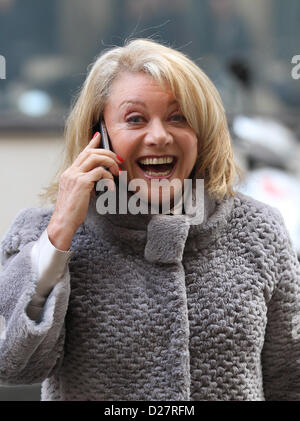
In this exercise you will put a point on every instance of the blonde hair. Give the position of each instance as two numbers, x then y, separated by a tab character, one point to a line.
198	98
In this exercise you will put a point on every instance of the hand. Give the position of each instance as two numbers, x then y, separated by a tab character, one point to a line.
76	185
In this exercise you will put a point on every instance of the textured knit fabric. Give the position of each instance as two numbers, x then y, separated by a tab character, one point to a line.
153	308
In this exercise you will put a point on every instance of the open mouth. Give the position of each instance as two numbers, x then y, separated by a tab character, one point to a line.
157	166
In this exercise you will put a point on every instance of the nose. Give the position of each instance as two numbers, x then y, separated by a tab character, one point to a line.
157	135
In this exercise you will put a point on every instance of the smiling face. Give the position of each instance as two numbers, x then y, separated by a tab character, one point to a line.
148	130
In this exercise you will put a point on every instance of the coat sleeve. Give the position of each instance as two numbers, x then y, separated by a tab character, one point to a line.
281	351
30	350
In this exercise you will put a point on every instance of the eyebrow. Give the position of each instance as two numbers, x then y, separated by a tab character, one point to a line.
138	102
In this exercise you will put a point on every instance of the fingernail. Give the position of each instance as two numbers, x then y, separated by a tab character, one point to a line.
96	134
120	159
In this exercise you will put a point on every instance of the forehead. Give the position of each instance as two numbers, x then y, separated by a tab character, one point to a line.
138	86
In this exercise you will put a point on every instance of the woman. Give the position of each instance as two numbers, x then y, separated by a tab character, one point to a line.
150	306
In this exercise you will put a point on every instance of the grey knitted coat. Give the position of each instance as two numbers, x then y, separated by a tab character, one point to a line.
156	309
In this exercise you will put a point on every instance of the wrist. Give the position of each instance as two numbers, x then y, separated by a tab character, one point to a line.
60	234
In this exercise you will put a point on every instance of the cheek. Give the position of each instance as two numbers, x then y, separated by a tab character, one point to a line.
125	149
194	150
190	156
120	145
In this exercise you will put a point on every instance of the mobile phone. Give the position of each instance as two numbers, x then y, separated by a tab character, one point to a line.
105	141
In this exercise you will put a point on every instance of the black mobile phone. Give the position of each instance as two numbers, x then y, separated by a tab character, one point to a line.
105	141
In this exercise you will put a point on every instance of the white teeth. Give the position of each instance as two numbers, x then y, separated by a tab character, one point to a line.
157	174
155	161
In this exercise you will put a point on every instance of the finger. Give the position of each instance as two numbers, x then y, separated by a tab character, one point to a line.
103	153
94	141
105	182
86	181
96	160
99	174
94	147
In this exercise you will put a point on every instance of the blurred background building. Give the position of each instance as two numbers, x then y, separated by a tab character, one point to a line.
246	47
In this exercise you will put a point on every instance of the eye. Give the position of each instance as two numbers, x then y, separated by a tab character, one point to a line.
134	119
178	118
